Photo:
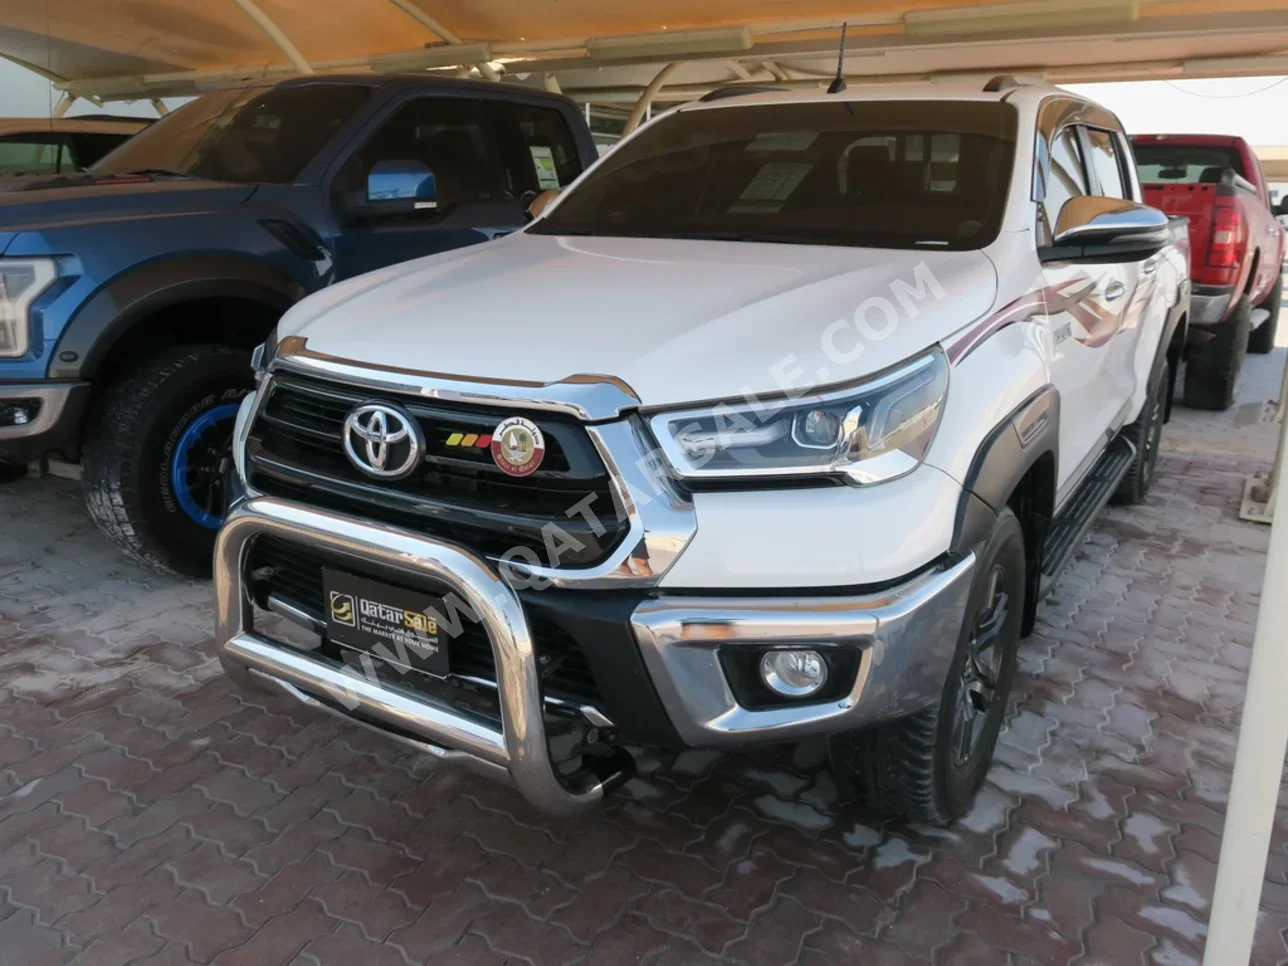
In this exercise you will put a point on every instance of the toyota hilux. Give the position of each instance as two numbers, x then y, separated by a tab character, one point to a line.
779	422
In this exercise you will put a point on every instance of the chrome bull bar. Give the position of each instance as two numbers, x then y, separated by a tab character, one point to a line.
514	748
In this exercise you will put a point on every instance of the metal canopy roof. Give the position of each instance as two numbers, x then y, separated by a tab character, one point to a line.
603	52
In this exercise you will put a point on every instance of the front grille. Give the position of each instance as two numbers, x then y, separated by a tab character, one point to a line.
295	451
293	573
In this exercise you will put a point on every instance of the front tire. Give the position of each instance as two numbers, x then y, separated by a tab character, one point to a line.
927	767
1262	339
155	452
1213	369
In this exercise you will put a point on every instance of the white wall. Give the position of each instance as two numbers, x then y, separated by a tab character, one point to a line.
1254	108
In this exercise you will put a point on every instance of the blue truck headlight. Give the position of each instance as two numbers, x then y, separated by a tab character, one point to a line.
869	432
21	282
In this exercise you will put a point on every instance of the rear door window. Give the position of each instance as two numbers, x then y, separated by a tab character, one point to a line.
538	149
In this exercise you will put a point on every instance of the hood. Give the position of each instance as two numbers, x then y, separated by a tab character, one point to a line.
677	320
32	182
36	204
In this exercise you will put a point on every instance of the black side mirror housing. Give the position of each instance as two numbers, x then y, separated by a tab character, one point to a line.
1093	229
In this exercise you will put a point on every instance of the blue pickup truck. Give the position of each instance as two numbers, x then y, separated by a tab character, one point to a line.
132	295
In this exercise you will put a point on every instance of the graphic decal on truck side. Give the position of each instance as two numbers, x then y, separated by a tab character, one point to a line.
1076	296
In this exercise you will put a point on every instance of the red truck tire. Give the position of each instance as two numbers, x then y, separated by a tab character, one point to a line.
1212	370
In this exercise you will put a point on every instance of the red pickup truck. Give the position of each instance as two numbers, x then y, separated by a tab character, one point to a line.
1236	247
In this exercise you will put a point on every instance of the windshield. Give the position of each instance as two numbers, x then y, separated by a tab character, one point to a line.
883	174
247	135
1181	164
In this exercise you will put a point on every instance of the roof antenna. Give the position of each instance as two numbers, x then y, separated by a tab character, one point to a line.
838	82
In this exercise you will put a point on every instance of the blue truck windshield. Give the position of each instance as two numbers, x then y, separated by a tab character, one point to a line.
256	135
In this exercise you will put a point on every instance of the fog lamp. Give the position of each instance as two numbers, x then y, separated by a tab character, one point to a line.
794	673
19	413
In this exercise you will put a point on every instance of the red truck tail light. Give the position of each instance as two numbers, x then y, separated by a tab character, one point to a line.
1229	237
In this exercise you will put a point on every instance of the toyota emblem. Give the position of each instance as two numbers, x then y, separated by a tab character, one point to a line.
383	441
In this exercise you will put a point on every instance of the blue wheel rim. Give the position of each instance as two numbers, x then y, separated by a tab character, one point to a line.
180	465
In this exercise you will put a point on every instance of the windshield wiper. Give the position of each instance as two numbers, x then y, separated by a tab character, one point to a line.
765	238
546	230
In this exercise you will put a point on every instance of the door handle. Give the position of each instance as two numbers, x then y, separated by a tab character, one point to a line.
1114	291
1149	266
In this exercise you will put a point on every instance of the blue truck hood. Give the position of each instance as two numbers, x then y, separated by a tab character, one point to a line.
55	205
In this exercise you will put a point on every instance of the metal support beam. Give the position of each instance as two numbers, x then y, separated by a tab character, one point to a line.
646	98
159	106
436	28
738	70
1258	764
64	105
275	34
552	84
48	75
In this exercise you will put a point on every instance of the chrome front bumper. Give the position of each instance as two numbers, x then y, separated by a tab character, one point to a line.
513	749
905	637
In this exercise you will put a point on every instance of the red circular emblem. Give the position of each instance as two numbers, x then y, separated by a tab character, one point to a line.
518	446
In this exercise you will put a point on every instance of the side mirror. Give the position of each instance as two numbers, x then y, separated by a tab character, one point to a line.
542	201
1092	229
401	186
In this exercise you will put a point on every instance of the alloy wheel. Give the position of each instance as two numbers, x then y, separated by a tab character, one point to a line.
981	670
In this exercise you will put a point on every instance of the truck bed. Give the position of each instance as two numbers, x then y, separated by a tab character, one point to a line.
1193	202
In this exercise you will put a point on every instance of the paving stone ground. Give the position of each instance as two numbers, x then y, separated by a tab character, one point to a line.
149	814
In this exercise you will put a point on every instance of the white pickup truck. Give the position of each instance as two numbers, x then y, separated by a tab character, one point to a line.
779	422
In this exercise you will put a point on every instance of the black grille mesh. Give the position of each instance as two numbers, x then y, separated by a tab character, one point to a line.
296	452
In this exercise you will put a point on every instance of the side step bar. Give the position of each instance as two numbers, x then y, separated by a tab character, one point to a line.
1072	523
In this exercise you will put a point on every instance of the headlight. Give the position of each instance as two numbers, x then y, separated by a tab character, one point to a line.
21	282
870	433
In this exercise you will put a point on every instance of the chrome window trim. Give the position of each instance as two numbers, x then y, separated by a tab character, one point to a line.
590	398
1056	113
